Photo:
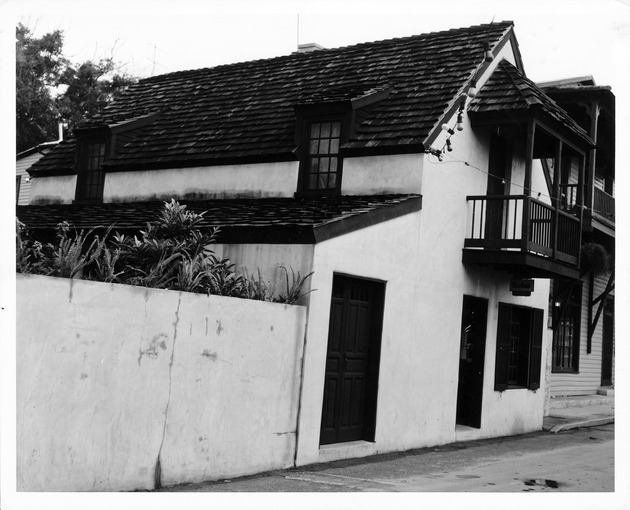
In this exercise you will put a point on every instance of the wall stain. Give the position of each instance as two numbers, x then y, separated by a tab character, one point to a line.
219	327
83	376
152	351
207	353
206	326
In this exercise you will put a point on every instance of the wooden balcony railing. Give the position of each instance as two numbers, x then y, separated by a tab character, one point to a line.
522	223
603	204
568	194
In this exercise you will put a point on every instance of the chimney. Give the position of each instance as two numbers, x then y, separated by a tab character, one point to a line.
309	47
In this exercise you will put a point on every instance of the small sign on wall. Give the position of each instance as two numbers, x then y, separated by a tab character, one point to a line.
522	286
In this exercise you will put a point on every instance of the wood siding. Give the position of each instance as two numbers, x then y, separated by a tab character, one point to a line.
25	186
588	379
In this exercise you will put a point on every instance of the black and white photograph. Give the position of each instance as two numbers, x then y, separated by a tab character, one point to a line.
314	254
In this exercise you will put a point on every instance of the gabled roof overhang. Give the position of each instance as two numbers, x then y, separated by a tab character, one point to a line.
508	97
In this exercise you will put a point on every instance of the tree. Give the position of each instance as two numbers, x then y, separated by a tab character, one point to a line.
39	65
51	89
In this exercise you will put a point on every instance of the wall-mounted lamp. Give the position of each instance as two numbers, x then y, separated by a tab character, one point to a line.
487	52
460	121
449	130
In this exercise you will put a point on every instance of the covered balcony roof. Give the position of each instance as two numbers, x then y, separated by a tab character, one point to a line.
509	97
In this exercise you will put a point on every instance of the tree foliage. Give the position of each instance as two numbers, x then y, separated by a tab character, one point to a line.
51	89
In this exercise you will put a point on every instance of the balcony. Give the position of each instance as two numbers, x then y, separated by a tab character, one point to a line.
522	235
603	206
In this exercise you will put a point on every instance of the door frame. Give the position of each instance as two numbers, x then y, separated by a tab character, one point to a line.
481	305
373	357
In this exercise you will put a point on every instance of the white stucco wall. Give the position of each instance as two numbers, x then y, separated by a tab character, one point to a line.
56	189
400	173
270	259
419	258
111	377
226	181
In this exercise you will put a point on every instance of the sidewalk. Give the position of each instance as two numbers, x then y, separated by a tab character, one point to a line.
580	460
574	412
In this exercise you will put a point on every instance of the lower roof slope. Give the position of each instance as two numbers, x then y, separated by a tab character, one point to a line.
262	220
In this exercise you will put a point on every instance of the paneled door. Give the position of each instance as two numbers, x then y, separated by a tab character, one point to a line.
352	361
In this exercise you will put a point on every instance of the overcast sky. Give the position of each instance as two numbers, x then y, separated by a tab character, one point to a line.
557	38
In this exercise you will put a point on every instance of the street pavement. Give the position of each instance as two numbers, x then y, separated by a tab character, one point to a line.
579	459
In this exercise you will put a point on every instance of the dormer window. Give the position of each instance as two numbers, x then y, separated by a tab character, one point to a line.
324	123
322	164
90	176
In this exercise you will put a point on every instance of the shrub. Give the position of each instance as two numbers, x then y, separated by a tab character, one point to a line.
172	253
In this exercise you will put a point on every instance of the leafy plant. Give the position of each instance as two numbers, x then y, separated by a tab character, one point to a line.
256	288
595	258
294	288
172	253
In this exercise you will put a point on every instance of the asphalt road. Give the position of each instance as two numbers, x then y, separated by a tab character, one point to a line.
580	460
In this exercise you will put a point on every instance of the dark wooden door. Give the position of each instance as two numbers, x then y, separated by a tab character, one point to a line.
607	345
471	361
352	361
499	165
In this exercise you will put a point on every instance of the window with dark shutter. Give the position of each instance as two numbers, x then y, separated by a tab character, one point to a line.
519	347
536	349
566	311
503	347
18	183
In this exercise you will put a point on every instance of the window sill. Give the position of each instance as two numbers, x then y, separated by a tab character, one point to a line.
564	371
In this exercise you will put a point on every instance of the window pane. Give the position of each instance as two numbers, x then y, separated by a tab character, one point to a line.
334	146
323	165
312	181
324	146
332	181
325	130
314	167
333	165
315	130
313	147
336	129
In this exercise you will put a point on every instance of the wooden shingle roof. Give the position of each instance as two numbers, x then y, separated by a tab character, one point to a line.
509	93
263	220
247	110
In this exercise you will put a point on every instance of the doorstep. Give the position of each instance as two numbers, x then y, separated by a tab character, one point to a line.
580	401
349	450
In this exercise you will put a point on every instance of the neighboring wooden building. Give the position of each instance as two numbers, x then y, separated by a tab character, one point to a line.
413	177
582	361
23	162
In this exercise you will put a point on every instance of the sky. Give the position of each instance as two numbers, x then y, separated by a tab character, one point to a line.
557	39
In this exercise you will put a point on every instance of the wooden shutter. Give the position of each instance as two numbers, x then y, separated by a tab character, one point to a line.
535	358
503	347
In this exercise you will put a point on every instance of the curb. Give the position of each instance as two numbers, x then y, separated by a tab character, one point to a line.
584	423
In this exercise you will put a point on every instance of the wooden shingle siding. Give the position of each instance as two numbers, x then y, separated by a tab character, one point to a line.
25	186
588	379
